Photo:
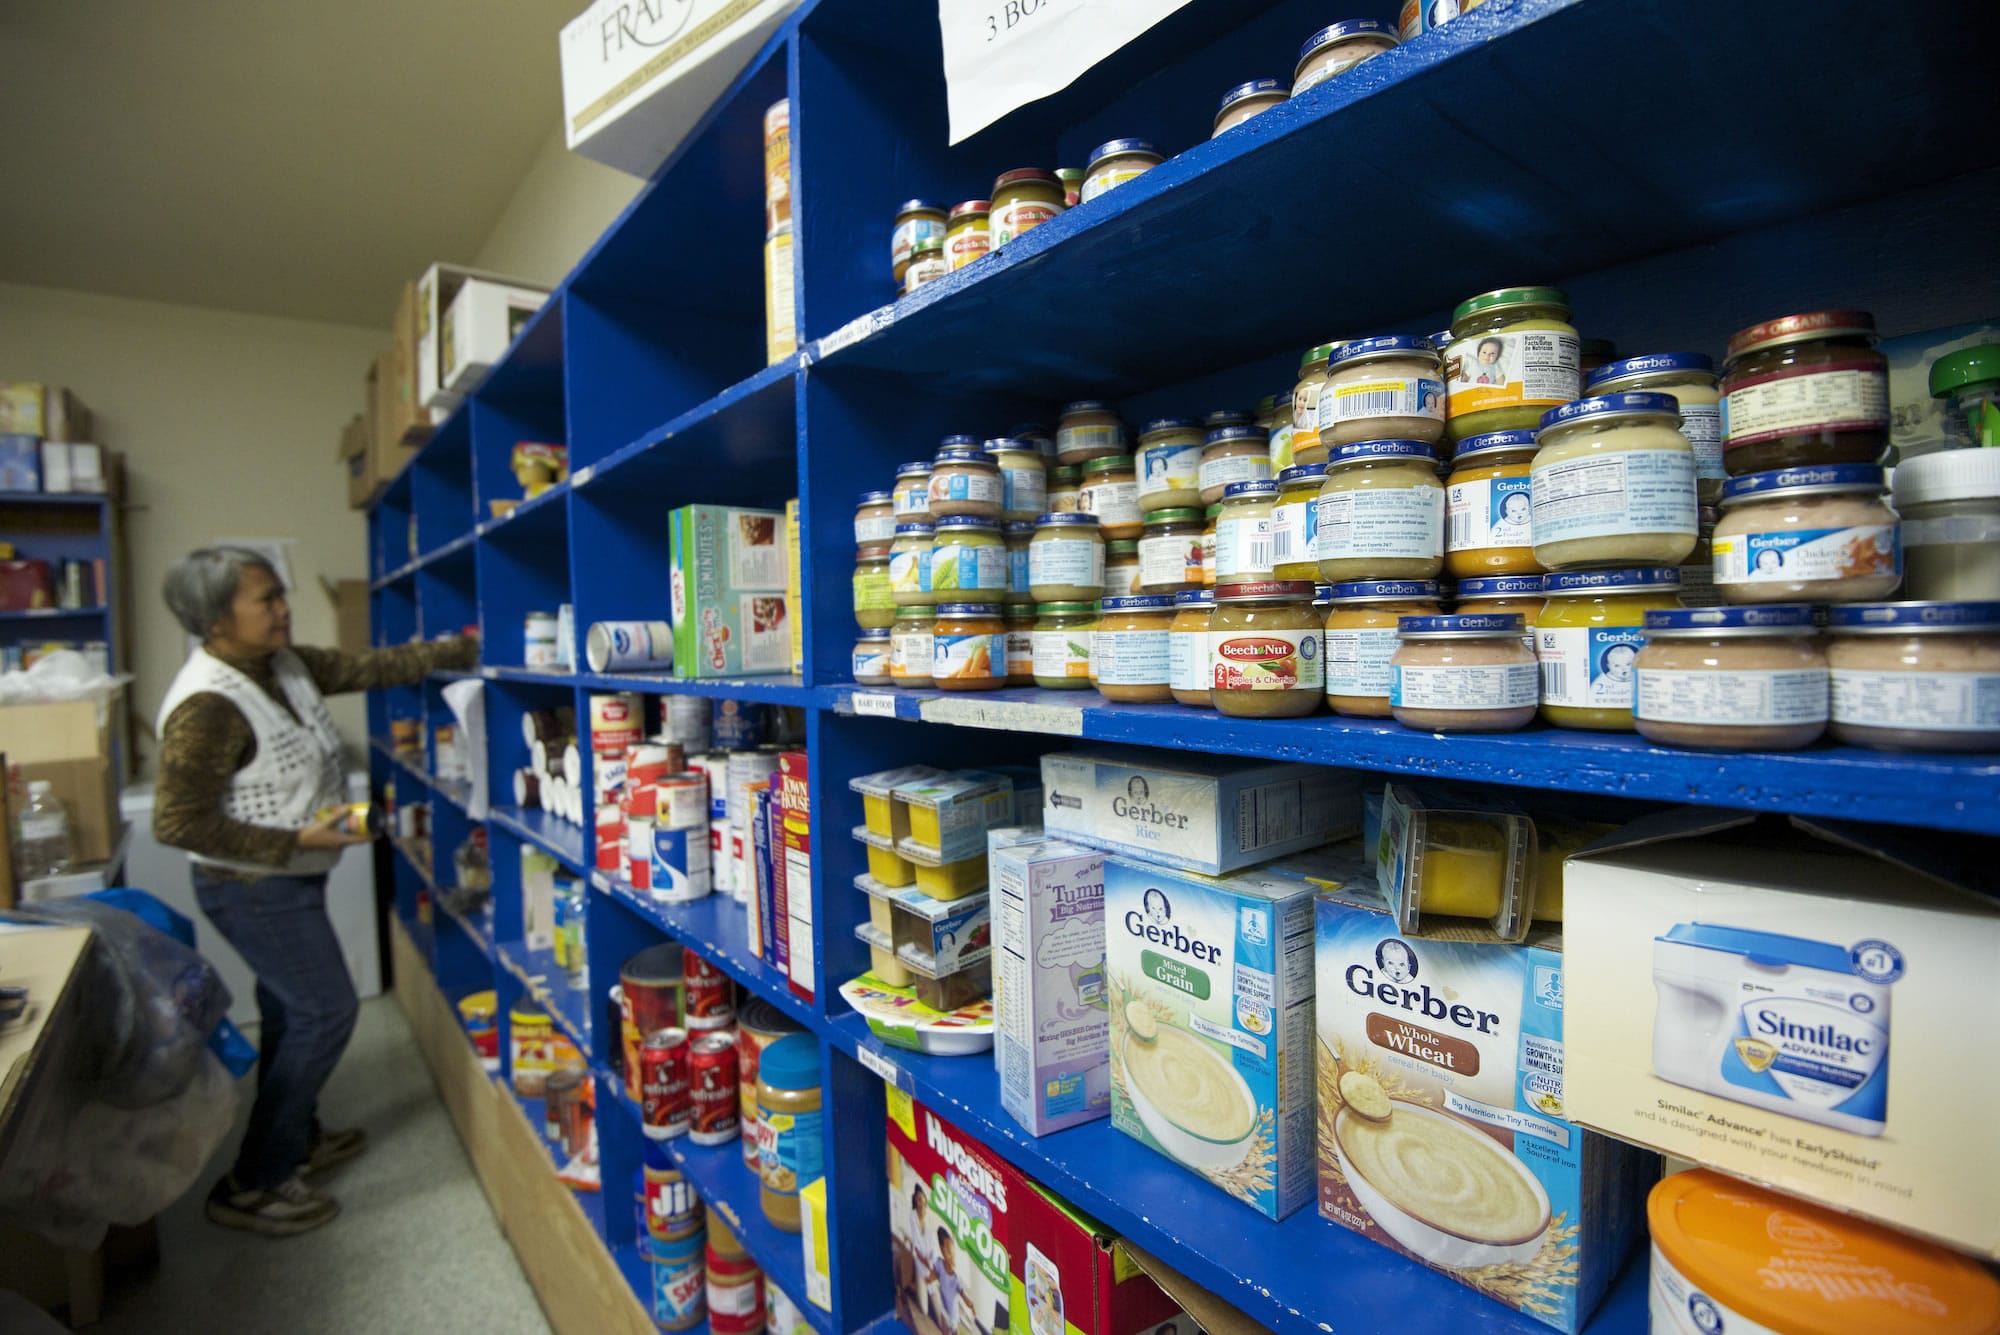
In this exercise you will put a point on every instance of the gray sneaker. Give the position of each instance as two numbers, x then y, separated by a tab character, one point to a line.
288	1208
334	1147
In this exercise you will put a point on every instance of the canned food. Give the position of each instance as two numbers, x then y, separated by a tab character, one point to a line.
649	999
680	1283
762	1025
617	720
629	646
735	725
668	1205
685	720
639	851
666	1110
680	801
356	818
680	865
713	1088
610	839
711	997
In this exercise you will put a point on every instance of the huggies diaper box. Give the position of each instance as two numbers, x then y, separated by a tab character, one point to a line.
1792	1006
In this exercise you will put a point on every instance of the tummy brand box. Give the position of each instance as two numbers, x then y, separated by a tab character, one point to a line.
1441	1118
1211	1023
728	590
952	1230
1050	1017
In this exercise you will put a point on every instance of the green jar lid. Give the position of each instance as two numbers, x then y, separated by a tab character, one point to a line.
902	611
1109	463
1212	511
1066	609
1511	296
1968	366
1121	547
1177	515
1269	403
1065	473
1322	353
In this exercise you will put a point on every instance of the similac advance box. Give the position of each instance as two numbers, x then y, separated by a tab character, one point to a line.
1209	814
1050	1017
728	590
951	1229
1441	1118
1782	1006
1211	1023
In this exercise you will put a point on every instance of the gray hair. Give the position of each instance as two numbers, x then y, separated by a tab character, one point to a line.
202	585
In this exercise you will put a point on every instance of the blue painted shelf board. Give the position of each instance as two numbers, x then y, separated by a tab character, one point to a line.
54	613
554	497
477	926
53	498
745	426
714	925
532	367
560	839
775	689
550	986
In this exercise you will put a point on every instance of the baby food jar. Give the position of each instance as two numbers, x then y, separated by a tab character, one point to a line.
1306	446
1338	49
1385	388
1210	518
1264	655
1233	454
1690	378
1587	638
1169	464
911	498
1121	568
910	565
1916	676
1019	536
1488	511
1274	414
1381	512
927	264
1188	674
1222	417
1072	184
1462	673
1111	492
1500	594
1066	559
1731	679
965	483
1128	655
910	643
1513	356
966	237
1804	389
1065	485
1170	551
1361	623
1088	429
1024	479
1040	438
968	558
1968	381
1950	504
871	658
874	599
1823	534
1295	523
916	220
1612	484
1243	532
1245	100
969	647
874	518
1023	199
1115	162
1062	642
1020	623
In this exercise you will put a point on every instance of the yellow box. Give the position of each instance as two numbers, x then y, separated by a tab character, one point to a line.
951	880
879	914
890	867
884	965
884	815
812	1238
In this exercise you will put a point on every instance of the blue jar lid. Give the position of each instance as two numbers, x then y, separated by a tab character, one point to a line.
959	441
1223	417
1494	440
1867	618
1501	586
1385	588
1383	449
975	457
1299	472
1224	434
1765	619
1086	406
920	466
1386	345
1322	593
1255	88
1649	364
1111	148
1345	28
881	634
1143	602
1440	340
1613	581
1479	623
1605	407
1823	478
1254	487
999	443
1018	528
1194	597
874	498
963	610
910	204
1066	519
968	521
792	1062
918	528
1169	424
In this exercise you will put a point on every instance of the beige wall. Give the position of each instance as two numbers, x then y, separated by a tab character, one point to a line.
228	425
558	211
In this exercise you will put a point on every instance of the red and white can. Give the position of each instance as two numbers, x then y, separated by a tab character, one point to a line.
711	996
610	839
712	1083
680	801
665	1107
617	720
639	851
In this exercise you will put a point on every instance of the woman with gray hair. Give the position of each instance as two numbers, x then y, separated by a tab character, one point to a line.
250	764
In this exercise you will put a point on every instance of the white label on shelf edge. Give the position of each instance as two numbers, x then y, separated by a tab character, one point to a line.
860	327
1005	715
581	477
881	1065
874	704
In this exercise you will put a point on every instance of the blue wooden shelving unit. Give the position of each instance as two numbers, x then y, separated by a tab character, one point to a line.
1627	150
65	527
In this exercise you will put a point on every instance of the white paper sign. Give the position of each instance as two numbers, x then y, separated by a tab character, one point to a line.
1003	54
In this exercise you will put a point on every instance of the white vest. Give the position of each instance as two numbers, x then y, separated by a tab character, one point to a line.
297	771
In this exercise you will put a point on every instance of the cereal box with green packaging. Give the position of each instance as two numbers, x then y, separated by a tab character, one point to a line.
728	591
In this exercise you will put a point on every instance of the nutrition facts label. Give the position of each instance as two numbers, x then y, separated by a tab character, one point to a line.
1732	698
1837	396
1927	701
1357	661
1382	522
1607	493
1130	657
1505	686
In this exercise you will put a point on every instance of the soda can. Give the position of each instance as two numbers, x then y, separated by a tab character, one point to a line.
713	1087
680	801
666	1110
680	870
710	996
629	646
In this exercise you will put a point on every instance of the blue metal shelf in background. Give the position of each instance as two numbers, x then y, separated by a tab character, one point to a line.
550	986
563	841
715	926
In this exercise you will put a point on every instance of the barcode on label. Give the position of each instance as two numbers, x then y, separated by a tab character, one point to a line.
1555	680
1458	530
1260	553
1371	403
1282	540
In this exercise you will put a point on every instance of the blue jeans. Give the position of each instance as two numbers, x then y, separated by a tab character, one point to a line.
305	1001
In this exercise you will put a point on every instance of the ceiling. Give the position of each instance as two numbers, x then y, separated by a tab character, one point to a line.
287	159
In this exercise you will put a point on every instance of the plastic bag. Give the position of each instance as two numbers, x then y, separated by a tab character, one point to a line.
62	675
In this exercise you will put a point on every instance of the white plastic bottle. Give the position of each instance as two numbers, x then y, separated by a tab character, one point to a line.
42	838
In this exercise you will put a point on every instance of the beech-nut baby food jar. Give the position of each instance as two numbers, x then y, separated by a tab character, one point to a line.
1821	533
1188	674
927	264
871	658
1019	536
1065	485
1020	622
1088	429
1613	484
1128	654
1387	388
1459	673
1111	492
1916	676
1121	568
874	599
1243	532
1168	463
1968	384
1804	389
966	236
1022	200
968	557
1245	100
1337	49
916	220
1274	414
1295	522
1690	378
1235	453
912	494
1062	641
1381	512
874	518
1115	162
1066	559
1588	637
1488	512
910	644
1732	678
1024	479
1306	445
965	483
1170	551
969	650
1361	624
1950	506
1513	356
1265	657
910	565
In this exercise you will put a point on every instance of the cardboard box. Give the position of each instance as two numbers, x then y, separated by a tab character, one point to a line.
478	327
1051	1026
794	804
1799	1004
67	745
20	463
1072	1274
350	613
431	297
728	587
1209	814
353	438
43	410
951	1230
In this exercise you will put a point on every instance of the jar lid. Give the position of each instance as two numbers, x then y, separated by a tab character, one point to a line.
1653	363
1025	175
1503	298
1223	417
999	443
968	521
927	243
867	551
1322	594
1018	528
1440	340
1611	581
881	634
1824	479
1176	515
1607	407
1226	434
1269	404
1086	406
1121	547
1254	487
1768	619
1387	345
1459	624
1065	473
1947	475
1382	449
875	498
964	458
915	529
1502	586
905	612
1018	612
1286	589
790	1063
968	609
920	466
1194	597
1968	366
1879	618
1212	511
1299	473
1358	590
1320	353
1169	424
1494	440
1255	88
1064	609
1799	329
1142	602
1070	176
1108	463
1344	29
958	441
1066	519
918	206
1112	148
971	208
